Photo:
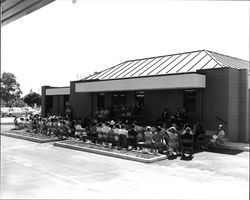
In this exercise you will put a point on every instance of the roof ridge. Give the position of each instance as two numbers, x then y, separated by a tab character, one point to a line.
242	61
217	61
228	56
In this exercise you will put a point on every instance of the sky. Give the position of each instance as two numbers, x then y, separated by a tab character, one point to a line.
66	41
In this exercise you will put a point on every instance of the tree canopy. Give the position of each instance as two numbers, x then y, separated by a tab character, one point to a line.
10	88
32	98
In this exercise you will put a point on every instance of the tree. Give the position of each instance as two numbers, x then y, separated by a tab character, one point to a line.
19	103
10	88
32	98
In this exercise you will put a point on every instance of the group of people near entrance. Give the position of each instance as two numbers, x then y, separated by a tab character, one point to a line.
121	134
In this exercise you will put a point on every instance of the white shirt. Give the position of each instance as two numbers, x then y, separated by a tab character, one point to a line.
106	129
123	132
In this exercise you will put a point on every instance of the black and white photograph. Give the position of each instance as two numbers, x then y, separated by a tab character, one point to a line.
125	99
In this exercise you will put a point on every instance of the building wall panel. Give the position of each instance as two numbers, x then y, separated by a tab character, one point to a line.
80	103
233	104
215	99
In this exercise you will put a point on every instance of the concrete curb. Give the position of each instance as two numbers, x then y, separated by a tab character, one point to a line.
7	123
236	148
111	154
32	139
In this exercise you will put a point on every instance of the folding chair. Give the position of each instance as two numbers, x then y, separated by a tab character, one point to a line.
187	146
100	137
116	139
105	138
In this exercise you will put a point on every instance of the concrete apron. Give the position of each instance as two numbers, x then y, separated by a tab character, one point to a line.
112	154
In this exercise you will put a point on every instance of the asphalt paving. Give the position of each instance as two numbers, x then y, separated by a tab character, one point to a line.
32	170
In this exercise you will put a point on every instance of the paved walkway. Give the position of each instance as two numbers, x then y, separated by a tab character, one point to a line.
237	146
31	170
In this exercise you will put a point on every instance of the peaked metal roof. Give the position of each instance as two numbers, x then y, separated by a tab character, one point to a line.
170	64
12	10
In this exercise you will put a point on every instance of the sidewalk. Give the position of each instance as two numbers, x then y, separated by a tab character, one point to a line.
237	146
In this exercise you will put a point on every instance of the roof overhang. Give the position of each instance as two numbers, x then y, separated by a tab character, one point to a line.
178	81
12	10
57	91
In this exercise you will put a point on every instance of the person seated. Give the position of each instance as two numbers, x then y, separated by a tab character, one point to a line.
63	130
93	132
219	138
140	131
173	141
172	121
116	133
148	138
183	116
69	127
54	127
39	123
158	140
49	126
44	127
79	130
105	130
187	134
111	137
132	136
18	122
126	124
99	133
123	137
200	137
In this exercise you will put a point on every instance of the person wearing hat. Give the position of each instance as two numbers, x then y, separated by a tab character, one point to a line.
173	140
158	140
148	137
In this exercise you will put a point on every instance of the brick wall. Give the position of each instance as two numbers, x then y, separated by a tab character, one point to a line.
81	103
215	99
234	92
226	97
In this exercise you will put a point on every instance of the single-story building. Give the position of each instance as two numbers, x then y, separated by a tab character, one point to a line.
213	87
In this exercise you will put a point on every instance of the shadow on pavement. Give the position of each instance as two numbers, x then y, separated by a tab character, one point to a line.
222	151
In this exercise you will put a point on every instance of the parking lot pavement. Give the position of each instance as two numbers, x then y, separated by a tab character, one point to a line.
7	120
31	170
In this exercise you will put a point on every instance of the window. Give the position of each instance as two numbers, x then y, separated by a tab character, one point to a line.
119	102
190	100
101	101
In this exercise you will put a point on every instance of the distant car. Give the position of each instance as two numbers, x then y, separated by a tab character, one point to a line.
13	112
37	111
4	111
28	110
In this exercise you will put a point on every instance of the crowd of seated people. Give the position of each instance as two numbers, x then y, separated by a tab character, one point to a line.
163	137
51	125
